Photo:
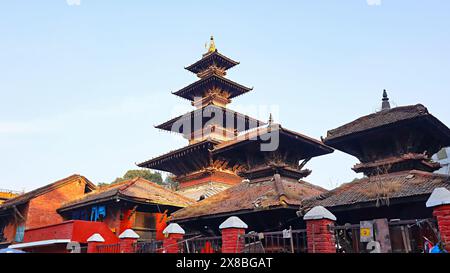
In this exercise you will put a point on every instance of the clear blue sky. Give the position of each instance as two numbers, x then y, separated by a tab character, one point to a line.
81	86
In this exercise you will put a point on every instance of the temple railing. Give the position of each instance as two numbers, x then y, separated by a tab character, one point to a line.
109	248
406	236
285	241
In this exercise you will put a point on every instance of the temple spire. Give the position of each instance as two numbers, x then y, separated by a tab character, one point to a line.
212	45
385	105
270	119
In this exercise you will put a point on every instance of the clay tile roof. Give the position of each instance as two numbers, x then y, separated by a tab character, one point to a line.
137	189
21	199
392	186
251	196
378	119
184	151
256	133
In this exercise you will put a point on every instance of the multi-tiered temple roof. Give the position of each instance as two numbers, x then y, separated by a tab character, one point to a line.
401	138
204	117
272	160
212	58
213	82
208	125
394	147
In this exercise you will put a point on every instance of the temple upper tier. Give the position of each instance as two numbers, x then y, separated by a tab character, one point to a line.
271	149
212	59
392	140
200	174
210	122
212	87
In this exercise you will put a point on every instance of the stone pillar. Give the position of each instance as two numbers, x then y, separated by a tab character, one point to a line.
233	230
319	232
440	202
173	233
127	240
93	241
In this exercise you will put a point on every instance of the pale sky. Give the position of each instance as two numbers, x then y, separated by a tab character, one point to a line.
83	82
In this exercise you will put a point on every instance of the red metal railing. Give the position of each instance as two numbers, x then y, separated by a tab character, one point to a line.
111	248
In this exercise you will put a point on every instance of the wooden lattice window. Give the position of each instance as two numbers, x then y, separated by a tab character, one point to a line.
145	225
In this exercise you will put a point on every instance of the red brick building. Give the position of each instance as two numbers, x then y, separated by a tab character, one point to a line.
136	204
37	208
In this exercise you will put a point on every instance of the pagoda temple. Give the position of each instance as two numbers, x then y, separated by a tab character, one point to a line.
194	167
395	148
273	189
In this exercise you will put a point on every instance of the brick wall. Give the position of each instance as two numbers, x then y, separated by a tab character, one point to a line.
42	209
171	245
10	229
442	214
57	231
232	242
319	236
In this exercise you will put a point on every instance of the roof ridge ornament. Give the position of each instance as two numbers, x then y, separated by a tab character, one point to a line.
385	105
212	45
270	119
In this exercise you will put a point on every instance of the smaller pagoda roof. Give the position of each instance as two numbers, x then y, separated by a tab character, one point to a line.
198	88
251	196
295	142
386	118
250	122
392	164
367	191
137	189
212	58
184	160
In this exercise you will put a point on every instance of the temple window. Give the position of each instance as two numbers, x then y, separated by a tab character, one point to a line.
145	225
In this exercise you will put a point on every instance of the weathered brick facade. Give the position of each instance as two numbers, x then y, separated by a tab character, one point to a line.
442	214
38	207
320	236
319	230
42	209
232	240
170	244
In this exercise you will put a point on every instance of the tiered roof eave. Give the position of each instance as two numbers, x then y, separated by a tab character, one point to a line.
233	88
210	58
172	162
250	122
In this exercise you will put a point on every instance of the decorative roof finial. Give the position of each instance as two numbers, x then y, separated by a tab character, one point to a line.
385	105
212	45
270	119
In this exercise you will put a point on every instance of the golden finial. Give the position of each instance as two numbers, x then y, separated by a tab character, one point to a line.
212	45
